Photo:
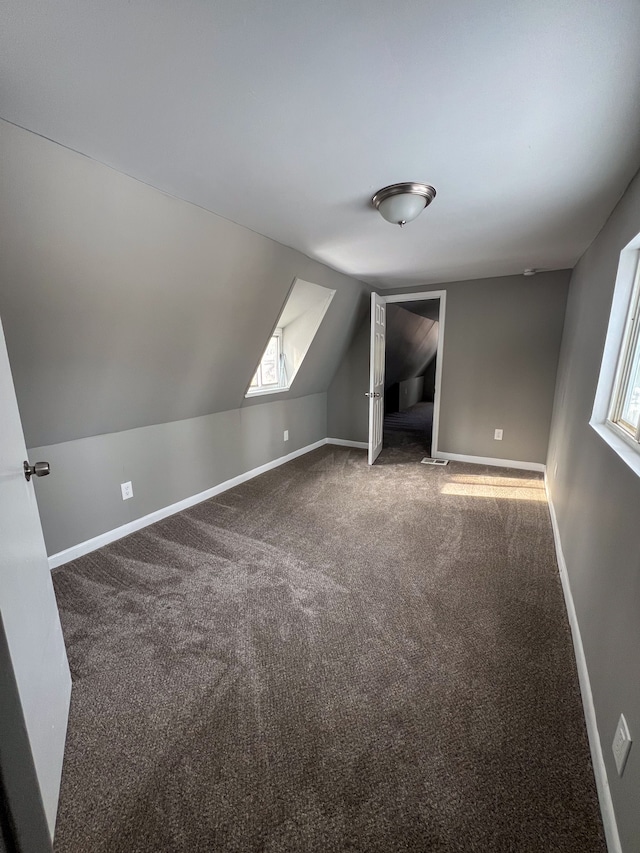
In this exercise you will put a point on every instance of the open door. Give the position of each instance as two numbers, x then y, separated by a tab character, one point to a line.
376	376
34	673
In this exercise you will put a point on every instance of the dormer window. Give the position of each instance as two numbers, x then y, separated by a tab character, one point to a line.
616	408
624	413
289	343
271	373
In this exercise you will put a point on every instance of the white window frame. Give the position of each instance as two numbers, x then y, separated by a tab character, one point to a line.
623	336
626	360
272	388
311	302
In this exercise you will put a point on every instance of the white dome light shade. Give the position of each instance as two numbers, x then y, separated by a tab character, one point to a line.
402	208
402	203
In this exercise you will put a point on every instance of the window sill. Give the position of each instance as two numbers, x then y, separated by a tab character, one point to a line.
628	452
266	391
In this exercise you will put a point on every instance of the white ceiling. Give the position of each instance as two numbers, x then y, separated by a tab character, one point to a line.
286	116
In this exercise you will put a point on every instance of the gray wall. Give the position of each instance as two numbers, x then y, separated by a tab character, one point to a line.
430	382
411	343
597	498
134	322
166	463
124	307
347	407
411	391
501	344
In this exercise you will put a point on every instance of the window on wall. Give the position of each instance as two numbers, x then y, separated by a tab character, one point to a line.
616	408
288	345
624	413
270	374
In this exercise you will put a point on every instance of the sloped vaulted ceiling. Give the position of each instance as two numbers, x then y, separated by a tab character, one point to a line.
124	307
412	343
286	116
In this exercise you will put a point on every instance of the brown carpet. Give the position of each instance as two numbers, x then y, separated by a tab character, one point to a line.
412	426
329	657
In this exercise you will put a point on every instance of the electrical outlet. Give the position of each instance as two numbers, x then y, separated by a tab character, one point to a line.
498	435
286	435
127	490
621	744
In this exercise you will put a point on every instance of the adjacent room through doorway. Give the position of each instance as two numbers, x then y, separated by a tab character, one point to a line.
410	374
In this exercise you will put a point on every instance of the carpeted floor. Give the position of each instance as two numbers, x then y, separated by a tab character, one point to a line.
412	426
329	657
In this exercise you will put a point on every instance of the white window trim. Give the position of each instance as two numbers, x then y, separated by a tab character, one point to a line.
626	360
261	392
618	439
289	365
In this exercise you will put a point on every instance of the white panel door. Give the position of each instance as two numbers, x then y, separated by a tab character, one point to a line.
30	620
376	375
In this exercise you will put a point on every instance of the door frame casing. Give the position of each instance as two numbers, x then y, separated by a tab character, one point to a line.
423	296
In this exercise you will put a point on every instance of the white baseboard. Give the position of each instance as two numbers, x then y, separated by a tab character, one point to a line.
490	460
83	548
597	758
343	442
600	772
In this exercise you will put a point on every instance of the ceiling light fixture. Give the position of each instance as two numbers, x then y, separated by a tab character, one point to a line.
402	203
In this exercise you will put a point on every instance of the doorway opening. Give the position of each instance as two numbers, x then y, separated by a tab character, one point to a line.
410	374
411	353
